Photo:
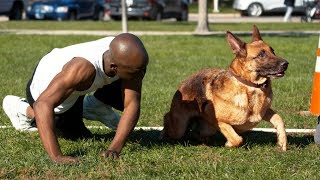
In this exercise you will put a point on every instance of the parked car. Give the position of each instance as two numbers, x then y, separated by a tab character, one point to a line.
259	7
67	9
14	9
151	9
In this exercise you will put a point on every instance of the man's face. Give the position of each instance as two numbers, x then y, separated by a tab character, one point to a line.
130	73
128	65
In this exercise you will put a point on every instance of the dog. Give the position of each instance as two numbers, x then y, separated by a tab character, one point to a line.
231	101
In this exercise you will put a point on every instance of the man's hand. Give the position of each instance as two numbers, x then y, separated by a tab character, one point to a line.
65	160
110	154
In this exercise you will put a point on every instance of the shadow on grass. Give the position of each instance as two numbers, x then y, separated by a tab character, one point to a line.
151	138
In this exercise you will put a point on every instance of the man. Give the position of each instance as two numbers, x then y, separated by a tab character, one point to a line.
112	68
290	5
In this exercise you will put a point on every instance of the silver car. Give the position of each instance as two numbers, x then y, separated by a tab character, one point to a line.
258	7
151	9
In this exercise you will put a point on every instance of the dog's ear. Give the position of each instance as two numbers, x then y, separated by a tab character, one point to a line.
238	46
255	34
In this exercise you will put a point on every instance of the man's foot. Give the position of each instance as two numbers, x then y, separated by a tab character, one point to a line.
11	106
317	133
93	109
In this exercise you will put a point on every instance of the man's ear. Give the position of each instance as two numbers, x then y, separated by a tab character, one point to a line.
237	46
256	34
114	68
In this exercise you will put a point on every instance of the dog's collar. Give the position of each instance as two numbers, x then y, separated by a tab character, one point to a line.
248	83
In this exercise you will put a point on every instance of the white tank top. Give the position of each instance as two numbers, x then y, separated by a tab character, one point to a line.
52	63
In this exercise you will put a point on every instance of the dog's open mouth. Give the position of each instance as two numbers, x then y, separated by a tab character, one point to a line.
277	75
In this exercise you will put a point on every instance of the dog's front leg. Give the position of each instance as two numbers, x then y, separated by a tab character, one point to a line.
233	139
278	124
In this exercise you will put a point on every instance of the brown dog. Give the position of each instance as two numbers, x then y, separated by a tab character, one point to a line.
230	101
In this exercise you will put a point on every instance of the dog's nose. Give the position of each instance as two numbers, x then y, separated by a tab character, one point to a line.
284	64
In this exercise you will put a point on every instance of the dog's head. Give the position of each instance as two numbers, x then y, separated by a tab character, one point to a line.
255	61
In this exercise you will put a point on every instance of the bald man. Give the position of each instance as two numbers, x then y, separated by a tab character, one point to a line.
111	67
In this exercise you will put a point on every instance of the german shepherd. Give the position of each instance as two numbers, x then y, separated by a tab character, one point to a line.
230	101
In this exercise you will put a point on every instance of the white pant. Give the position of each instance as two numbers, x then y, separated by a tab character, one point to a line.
287	16
93	109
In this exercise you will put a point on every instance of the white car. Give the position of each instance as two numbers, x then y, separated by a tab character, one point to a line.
258	7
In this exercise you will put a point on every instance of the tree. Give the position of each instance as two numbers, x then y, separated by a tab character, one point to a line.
203	26
124	16
215	6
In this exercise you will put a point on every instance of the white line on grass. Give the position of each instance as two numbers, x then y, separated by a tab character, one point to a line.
302	131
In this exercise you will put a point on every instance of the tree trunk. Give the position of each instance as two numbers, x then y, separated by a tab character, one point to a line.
203	26
124	16
216	6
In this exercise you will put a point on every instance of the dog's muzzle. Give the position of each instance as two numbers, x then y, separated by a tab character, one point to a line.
281	69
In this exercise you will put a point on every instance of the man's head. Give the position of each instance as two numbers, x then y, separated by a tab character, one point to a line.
126	57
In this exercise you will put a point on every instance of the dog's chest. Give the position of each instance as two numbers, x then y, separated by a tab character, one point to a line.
242	106
257	104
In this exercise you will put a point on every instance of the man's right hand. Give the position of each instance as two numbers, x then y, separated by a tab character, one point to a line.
65	159
110	154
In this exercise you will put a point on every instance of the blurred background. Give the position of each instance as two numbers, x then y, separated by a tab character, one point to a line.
178	10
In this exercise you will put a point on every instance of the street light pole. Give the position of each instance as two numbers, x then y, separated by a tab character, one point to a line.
124	16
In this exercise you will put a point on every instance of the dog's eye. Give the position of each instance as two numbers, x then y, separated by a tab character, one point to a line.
262	53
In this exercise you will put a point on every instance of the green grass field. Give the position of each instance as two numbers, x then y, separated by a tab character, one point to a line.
152	26
172	59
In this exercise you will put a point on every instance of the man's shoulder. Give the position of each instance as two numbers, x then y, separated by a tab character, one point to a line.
106	40
87	45
80	64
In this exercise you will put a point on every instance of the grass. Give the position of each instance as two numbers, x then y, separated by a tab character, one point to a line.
172	59
152	26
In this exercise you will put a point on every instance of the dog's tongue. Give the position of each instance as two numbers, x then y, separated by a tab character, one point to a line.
277	75
280	74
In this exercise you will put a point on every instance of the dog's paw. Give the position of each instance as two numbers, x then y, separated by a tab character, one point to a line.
235	143
282	143
283	147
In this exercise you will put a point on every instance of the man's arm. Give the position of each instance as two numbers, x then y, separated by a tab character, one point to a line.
129	118
76	74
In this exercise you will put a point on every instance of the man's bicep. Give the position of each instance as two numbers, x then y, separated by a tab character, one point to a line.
72	76
58	90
